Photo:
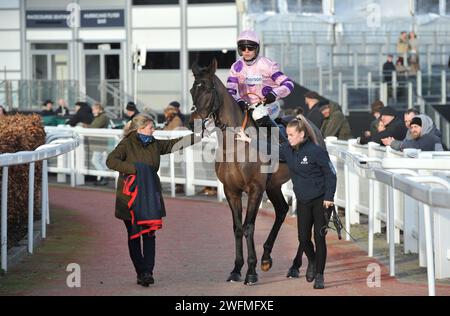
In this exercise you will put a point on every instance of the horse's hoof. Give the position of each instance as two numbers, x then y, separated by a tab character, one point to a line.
234	277
251	279
266	264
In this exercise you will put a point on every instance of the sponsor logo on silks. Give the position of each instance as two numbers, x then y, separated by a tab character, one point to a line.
254	80
271	109
304	160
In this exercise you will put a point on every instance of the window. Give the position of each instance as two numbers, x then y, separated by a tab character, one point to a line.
427	6
104	46
447	7
152	2
162	60
305	6
210	1
49	46
224	58
261	6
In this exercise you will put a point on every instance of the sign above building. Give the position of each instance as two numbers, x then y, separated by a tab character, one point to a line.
102	18
88	18
47	19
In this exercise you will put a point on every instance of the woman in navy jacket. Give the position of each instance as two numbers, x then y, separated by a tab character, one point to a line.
314	180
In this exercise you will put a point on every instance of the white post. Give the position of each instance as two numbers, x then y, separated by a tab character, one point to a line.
410	95
190	174
172	174
220	191
80	162
429	250
344	99
44	193
4	219
369	86
419	83
443	87
394	85
30	207
300	54
73	179
429	62
136	65
391	232
347	201
320	80
184	67
384	93
371	216
355	70
340	89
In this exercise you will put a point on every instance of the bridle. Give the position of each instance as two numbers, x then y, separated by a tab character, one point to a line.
213	106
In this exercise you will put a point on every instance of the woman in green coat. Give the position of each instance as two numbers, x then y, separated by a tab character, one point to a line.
139	145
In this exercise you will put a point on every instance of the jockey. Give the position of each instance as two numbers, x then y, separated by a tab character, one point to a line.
253	76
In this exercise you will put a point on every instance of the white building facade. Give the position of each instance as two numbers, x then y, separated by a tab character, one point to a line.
84	48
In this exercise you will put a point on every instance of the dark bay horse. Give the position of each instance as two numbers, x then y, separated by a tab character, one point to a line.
212	100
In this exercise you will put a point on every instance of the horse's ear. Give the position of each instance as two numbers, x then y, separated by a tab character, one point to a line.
195	68
212	67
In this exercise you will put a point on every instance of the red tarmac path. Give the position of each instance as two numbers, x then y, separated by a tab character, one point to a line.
194	255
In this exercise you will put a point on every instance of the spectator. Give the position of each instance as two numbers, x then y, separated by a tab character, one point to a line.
131	110
388	68
408	116
314	115
177	105
394	126
101	120
380	126
376	107
421	136
62	109
402	44
402	71
413	58
83	115
47	108
2	111
173	120
334	122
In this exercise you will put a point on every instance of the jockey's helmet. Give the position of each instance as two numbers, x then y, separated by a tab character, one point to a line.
248	39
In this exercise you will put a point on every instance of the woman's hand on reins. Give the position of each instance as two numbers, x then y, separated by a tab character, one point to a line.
241	136
327	204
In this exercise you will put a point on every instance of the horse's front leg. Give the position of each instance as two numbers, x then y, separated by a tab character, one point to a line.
254	201
235	202
281	208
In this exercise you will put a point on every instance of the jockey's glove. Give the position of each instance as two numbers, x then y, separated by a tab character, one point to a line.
270	97
243	104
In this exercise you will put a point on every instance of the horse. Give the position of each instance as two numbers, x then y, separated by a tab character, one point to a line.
212	101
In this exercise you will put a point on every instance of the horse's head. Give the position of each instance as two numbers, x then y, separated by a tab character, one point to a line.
204	94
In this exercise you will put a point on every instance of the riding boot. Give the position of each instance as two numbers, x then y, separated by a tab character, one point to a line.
267	122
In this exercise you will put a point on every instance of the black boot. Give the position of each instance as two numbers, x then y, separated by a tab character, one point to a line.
267	122
319	283
310	271
292	273
145	279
